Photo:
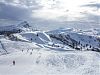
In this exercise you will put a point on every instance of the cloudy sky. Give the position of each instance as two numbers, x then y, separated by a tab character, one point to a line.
51	14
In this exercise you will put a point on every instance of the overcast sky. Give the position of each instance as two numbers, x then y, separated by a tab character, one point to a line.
51	14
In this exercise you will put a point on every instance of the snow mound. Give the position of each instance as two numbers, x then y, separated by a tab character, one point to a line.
36	36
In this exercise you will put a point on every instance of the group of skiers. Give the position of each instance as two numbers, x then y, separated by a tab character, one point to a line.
14	62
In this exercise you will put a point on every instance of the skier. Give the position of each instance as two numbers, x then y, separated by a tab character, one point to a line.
31	39
13	62
37	35
30	53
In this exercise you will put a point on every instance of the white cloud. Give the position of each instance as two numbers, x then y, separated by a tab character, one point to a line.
50	11
60	10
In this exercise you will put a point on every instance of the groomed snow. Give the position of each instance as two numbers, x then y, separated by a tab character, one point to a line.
33	60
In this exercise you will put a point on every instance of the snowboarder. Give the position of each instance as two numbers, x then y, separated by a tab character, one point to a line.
13	62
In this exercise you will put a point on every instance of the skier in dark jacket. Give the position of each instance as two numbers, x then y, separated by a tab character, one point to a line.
13	62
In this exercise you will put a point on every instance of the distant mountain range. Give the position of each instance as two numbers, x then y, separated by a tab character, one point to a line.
72	38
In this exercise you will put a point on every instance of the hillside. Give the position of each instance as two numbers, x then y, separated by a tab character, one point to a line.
57	52
32	58
24	26
81	40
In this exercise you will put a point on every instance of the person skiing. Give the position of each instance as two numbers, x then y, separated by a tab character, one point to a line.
31	39
30	53
13	62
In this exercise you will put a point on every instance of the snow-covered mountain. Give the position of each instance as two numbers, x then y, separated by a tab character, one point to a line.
36	36
24	26
82	40
58	52
72	38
